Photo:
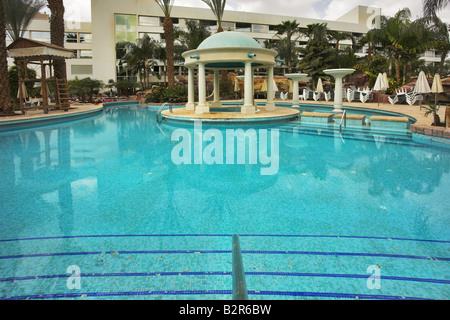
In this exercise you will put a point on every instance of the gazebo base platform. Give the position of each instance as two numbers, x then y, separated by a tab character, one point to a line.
231	115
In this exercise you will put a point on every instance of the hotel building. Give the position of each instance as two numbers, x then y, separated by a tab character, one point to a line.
113	21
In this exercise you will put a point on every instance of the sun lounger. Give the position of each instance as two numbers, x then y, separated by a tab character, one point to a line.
308	94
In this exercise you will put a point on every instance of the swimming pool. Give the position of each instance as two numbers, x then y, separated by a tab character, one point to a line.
102	198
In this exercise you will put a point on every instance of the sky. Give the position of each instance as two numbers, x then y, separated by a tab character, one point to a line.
316	9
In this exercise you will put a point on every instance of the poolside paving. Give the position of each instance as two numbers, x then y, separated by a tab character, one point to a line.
414	111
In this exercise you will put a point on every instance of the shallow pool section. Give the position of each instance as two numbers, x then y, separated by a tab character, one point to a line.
99	210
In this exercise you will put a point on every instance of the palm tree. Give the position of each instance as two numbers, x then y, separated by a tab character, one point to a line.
430	7
57	35
440	32
338	36
166	7
5	99
290	28
142	51
19	14
193	36
217	7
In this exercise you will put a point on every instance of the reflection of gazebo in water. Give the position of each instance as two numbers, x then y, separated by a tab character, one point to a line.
26	51
228	51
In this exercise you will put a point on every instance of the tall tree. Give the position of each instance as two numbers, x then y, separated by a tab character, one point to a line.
318	53
140	56
217	7
5	99
166	7
18	15
440	32
288	52
430	7
57	34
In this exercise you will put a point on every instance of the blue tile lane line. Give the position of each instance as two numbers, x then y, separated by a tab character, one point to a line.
222	273
222	235
213	292
360	254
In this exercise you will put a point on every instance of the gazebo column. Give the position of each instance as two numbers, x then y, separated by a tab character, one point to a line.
202	107
191	94
270	105
216	102
248	107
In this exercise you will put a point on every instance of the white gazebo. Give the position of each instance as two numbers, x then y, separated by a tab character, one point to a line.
228	51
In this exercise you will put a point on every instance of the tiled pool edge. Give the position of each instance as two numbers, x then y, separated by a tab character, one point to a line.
432	136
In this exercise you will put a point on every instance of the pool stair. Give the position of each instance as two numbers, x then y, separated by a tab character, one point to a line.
389	123
202	266
316	117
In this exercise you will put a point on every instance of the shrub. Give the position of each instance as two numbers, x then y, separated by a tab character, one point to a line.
174	95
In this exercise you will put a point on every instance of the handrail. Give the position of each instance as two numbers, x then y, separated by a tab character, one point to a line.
344	118
158	113
239	285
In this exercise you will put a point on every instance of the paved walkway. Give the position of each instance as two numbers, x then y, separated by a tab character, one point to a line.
413	111
36	114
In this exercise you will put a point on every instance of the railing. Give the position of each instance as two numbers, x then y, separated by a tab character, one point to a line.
343	119
239	285
158	114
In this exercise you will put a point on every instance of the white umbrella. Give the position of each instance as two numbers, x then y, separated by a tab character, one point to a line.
386	81
275	87
380	85
236	86
436	87
24	91
319	86
422	85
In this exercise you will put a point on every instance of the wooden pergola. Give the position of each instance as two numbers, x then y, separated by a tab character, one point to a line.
25	52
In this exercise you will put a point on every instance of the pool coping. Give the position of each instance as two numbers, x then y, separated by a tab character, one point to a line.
421	132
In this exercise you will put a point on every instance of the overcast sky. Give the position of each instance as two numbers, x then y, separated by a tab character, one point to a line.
319	9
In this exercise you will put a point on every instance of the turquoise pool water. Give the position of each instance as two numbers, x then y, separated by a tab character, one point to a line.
104	196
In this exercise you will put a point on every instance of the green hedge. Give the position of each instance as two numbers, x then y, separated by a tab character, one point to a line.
175	95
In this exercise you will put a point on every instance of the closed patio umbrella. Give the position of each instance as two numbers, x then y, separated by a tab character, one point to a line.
24	91
264	86
319	86
380	85
422	85
436	87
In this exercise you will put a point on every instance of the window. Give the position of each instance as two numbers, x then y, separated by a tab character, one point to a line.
149	21
40	36
154	36
86	37
228	26
85	54
260	28
126	27
71	37
81	69
243	27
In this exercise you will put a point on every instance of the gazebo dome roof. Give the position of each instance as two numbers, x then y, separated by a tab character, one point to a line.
229	39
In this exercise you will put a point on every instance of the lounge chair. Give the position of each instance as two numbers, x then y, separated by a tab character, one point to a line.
412	97
317	95
307	94
399	97
327	95
365	95
353	94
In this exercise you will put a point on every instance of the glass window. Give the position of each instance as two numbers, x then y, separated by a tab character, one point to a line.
40	36
260	28
126	27
154	36
149	21
71	37
243	27
228	26
86	37
86	54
